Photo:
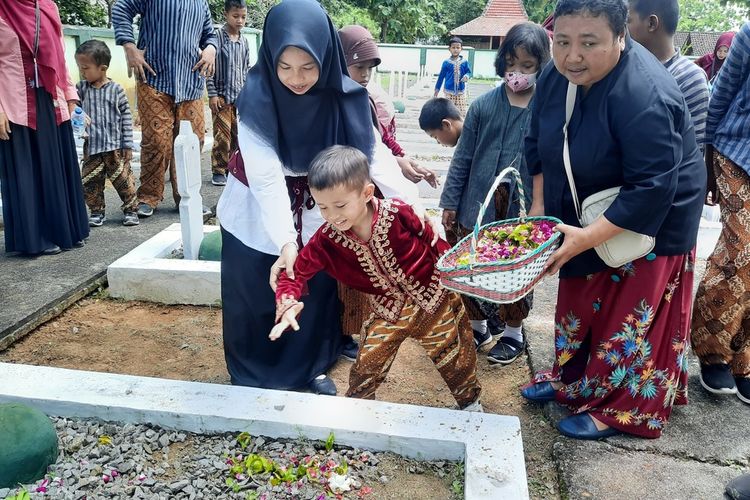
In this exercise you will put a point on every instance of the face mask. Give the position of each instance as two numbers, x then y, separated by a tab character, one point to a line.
518	82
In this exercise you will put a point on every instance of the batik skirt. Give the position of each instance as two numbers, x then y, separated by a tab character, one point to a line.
621	342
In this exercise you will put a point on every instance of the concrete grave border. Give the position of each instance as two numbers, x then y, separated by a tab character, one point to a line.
145	273
490	445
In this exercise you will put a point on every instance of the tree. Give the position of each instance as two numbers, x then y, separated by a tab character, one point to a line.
711	15
82	12
344	13
405	21
454	13
538	10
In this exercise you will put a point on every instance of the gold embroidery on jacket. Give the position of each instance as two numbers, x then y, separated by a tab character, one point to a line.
382	268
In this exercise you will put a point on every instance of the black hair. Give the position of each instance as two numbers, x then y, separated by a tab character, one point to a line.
668	12
234	4
534	40
615	11
96	50
339	165
455	39
435	111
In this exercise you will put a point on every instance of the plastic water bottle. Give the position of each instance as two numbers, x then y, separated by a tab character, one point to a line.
78	121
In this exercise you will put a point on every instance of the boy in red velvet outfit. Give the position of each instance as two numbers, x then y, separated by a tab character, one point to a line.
380	247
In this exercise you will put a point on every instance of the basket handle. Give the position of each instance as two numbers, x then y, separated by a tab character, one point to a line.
490	197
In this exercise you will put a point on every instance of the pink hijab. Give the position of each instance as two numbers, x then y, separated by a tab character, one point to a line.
712	64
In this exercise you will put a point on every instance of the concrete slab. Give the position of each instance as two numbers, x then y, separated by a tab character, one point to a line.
601	471
490	445
145	273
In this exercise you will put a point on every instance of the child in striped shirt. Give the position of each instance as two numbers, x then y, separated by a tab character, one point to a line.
108	148
232	65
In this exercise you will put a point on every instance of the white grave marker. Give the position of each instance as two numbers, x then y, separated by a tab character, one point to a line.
187	156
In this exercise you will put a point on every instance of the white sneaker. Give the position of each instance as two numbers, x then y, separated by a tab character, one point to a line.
475	406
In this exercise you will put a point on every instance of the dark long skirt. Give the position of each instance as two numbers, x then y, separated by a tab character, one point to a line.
41	185
248	312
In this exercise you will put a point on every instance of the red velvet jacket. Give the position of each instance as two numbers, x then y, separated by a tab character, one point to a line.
396	265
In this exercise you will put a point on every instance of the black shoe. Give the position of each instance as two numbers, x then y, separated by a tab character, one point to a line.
481	339
496	327
506	351
145	210
743	391
717	378
219	180
739	488
79	244
350	350
96	220
53	250
323	386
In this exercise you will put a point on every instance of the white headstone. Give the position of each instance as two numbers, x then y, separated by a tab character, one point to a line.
187	156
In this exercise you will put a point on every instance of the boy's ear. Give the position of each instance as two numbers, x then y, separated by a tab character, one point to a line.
446	124
105	67
369	191
653	23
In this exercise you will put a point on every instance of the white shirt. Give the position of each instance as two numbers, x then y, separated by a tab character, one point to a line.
260	215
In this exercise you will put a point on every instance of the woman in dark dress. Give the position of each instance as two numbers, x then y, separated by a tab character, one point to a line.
297	101
621	335
43	206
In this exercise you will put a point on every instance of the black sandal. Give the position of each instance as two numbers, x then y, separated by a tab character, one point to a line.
506	351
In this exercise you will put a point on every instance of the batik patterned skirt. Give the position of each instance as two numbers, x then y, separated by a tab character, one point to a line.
621	342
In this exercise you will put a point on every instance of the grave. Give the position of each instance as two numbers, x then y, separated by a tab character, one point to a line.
147	272
490	445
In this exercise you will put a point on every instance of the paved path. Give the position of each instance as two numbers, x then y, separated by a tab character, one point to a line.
705	444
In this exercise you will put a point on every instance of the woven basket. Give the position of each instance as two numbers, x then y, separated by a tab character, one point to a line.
503	281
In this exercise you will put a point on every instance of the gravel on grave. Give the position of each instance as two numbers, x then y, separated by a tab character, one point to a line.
106	460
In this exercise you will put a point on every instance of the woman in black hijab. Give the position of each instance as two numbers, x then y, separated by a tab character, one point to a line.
297	101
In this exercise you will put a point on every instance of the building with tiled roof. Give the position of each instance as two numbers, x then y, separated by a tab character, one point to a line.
695	43
488	30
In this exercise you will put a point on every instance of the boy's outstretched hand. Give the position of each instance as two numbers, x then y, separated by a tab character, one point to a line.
286	319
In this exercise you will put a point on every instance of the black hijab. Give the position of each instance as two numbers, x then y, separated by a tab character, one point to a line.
336	110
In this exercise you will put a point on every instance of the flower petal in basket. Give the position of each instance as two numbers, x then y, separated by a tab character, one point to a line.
503	281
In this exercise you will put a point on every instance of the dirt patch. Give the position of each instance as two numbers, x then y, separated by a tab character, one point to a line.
185	343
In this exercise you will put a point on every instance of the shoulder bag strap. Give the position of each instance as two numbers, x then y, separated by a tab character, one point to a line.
570	101
36	43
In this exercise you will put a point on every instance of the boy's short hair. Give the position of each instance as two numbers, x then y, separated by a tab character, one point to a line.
96	50
534	40
455	39
668	12
234	4
337	166
435	111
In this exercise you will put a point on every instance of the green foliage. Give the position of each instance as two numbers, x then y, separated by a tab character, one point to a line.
405	21
454	13
82	12
538	10
712	15
329	442
344	13
21	495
